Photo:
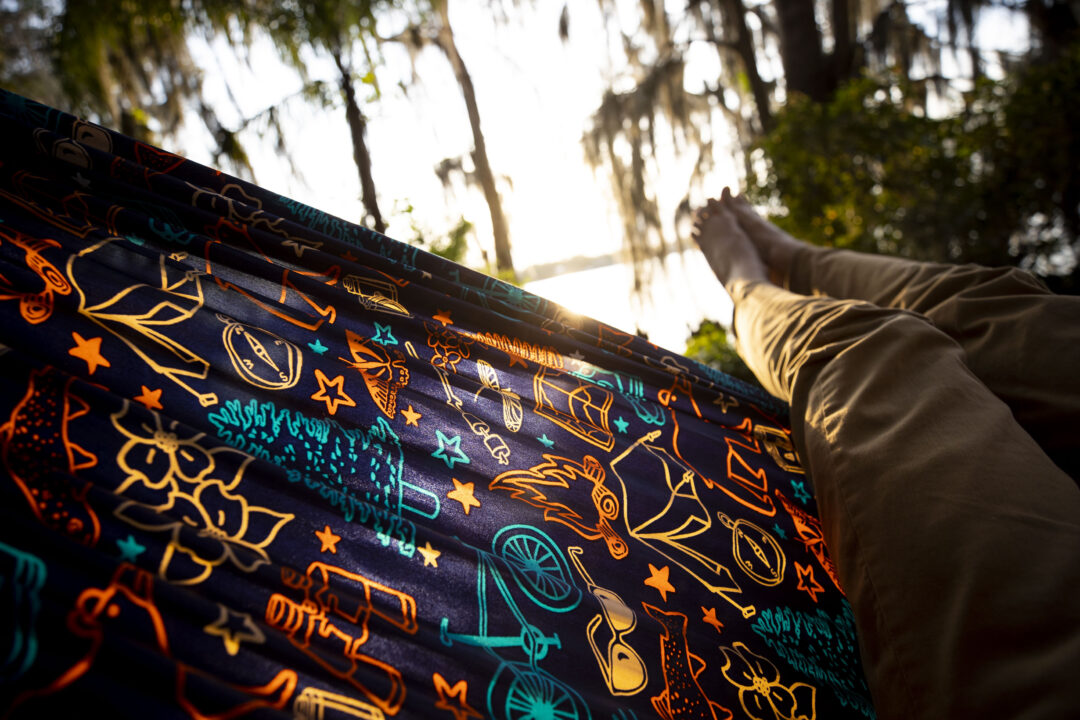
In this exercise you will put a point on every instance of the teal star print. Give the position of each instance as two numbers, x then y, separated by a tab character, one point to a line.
779	530
450	450
130	549
621	424
548	442
383	336
800	491
317	346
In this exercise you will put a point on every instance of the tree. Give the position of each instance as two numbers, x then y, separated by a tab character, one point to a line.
709	345
25	41
431	26
622	134
127	63
124	63
445	40
994	184
801	127
334	27
452	246
629	120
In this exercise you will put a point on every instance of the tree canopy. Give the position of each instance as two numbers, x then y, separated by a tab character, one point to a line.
848	143
878	126
994	183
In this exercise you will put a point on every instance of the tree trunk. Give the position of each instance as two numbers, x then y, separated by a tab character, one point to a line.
1055	24
503	261
361	155
843	54
744	46
805	65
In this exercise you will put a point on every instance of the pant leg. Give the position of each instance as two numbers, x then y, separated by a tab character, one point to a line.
956	539
1020	340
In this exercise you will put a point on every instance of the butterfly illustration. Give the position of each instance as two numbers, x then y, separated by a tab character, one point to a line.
383	370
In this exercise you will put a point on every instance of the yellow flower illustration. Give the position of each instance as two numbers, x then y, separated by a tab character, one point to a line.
761	693
208	527
175	485
159	456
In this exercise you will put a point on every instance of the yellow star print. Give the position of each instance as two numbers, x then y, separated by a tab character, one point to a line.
463	493
411	416
431	555
233	628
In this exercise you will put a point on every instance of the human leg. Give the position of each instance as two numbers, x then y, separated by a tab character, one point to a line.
956	539
1020	340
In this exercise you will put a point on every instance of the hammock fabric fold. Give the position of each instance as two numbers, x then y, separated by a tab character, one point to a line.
257	460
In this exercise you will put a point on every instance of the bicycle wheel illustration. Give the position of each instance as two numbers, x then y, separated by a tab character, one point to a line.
534	695
539	566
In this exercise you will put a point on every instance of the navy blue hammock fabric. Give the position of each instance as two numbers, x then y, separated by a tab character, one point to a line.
259	461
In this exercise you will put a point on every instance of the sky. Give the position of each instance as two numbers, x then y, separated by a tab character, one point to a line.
535	95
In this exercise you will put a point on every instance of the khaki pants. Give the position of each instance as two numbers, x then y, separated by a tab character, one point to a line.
926	402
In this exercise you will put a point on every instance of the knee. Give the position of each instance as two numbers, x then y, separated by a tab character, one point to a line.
862	327
865	345
985	282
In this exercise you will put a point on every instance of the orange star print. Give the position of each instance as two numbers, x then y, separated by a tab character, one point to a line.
807	581
658	579
443	316
460	708
328	539
150	399
90	351
332	392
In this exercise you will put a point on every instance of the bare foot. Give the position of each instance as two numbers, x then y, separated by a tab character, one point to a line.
730	252
776	248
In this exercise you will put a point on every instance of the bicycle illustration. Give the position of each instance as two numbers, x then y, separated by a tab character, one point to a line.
525	558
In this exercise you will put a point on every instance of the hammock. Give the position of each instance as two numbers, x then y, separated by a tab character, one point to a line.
260	460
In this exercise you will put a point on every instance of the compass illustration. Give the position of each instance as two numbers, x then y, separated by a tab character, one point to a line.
756	552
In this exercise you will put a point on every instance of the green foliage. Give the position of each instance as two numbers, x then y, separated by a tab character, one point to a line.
123	63
994	183
452	246
331	26
709	345
25	42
